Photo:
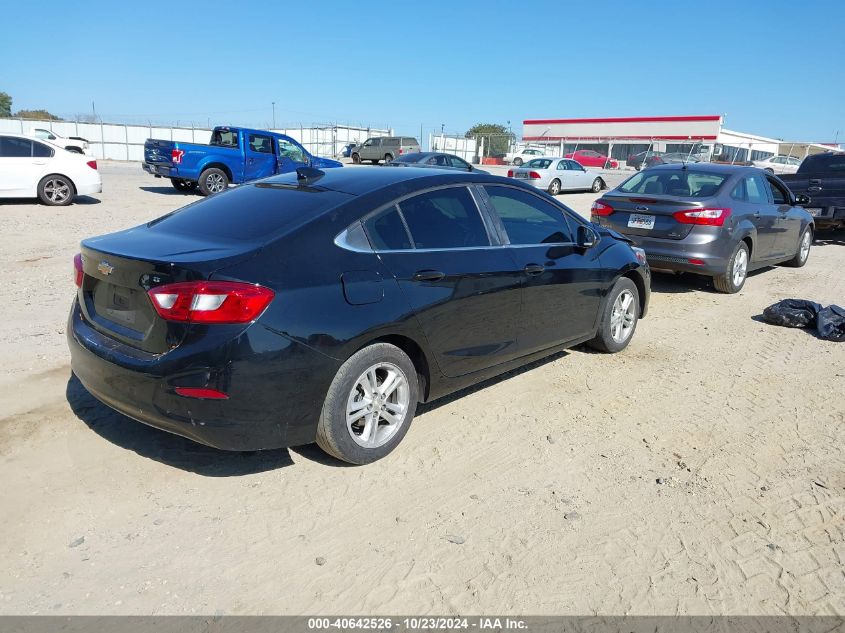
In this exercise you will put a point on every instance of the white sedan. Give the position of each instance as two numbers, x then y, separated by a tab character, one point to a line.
556	174
778	164
523	155
31	168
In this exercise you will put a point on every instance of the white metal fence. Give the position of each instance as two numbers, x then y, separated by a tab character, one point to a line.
466	148
117	141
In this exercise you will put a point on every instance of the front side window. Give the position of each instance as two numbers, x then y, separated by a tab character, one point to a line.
12	147
260	144
528	219
291	150
779	194
445	218
387	232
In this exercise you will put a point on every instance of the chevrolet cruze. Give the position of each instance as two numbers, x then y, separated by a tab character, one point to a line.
324	306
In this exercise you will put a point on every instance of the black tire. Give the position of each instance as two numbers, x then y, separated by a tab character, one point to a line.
75	150
374	161
213	180
604	340
183	185
517	162
598	185
554	187
801	257
56	190
388	158
333	435
725	282
356	158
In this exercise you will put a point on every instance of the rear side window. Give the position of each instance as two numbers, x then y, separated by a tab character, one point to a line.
393	142
445	218
751	189
387	231
224	138
12	147
41	151
529	219
824	163
249	213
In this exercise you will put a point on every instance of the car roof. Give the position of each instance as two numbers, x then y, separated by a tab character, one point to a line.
362	180
703	167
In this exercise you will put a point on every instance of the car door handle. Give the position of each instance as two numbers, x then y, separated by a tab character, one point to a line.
534	269
428	275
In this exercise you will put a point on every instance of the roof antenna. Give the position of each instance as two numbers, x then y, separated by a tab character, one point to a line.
308	175
691	147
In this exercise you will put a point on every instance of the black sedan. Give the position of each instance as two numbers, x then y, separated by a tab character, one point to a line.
436	160
324	306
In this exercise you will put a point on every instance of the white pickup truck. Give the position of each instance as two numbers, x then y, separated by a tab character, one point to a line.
524	155
79	146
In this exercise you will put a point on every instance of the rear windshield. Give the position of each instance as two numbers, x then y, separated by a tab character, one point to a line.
539	163
407	158
686	183
249	212
823	163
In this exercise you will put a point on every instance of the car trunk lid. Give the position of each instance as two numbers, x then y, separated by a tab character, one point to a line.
647	216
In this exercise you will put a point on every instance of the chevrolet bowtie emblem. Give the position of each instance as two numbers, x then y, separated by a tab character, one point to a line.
105	268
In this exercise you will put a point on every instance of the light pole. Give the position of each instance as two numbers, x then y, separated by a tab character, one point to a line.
274	114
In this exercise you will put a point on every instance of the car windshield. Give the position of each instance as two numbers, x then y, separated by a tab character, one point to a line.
539	163
684	183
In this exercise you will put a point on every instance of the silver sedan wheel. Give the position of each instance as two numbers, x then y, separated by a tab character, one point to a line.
57	190
740	267
554	188
215	183
623	316
377	405
804	251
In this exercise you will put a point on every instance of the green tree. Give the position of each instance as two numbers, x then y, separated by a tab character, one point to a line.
41	115
497	138
5	104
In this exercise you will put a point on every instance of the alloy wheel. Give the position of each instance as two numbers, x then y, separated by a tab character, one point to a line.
805	245
57	190
215	183
377	405
623	316
740	268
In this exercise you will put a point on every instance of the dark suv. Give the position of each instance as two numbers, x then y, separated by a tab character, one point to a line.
325	306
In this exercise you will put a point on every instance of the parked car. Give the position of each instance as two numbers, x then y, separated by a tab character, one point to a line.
716	220
346	152
71	144
637	161
821	179
385	148
30	168
324	305
437	160
778	164
555	174
234	155
589	158
672	158
523	155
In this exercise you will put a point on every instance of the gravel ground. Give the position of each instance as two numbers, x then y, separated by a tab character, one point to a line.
699	472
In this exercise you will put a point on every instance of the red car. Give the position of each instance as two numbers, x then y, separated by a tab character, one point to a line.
589	158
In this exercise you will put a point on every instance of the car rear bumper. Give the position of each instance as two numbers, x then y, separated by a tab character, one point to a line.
270	404
828	215
89	187
161	169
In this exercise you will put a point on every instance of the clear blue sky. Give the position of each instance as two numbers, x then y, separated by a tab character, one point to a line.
775	68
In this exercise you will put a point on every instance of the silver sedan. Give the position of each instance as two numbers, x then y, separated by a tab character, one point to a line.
556	174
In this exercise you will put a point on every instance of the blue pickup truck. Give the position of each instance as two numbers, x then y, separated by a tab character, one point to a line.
234	155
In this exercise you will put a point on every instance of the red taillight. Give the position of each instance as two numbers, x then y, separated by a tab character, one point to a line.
210	301
696	262
400	151
92	164
78	273
600	208
704	217
202	392
510	173
533	175
176	155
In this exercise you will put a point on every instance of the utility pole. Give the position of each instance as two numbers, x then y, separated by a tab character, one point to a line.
94	110
274	114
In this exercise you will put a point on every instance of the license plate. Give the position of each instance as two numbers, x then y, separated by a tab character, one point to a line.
637	221
520	175
814	211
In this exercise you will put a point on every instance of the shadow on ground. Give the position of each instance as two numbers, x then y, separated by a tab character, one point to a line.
167	448
82	200
170	191
829	238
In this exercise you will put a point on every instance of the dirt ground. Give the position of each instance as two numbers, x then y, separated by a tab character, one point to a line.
699	472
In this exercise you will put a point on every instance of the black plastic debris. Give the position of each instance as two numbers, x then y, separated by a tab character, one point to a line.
792	313
828	323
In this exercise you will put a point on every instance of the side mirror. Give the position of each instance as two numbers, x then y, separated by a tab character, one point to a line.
802	199
51	137
586	237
